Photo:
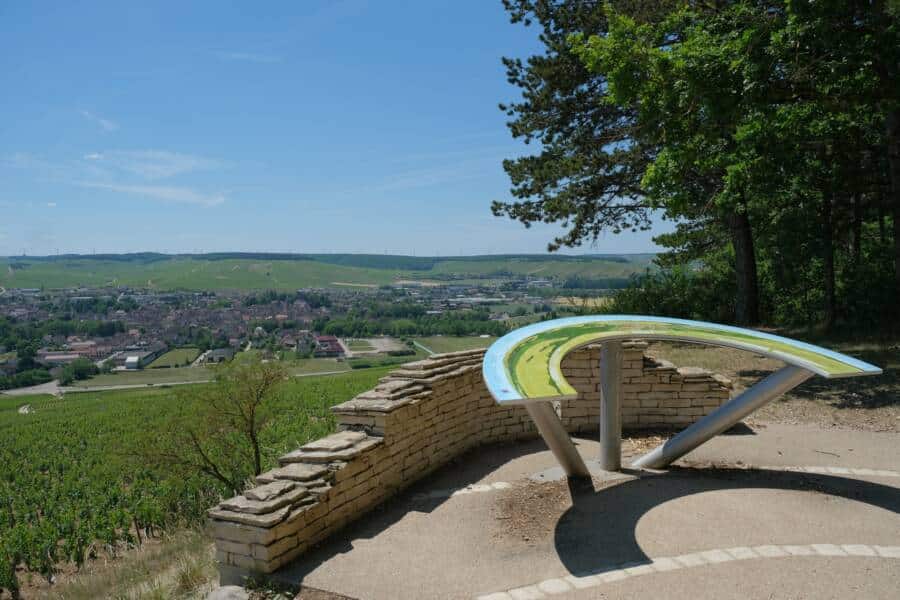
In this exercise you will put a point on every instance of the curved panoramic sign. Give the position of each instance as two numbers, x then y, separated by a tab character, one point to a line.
524	364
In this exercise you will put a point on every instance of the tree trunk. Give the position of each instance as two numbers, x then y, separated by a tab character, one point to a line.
893	147
856	233
746	307
828	262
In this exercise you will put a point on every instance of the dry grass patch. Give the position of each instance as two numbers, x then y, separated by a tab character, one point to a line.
176	566
860	403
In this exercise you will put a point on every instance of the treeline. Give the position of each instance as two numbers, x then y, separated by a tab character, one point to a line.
97	305
27	337
16	335
577	282
24	378
202	338
475	322
768	131
313	299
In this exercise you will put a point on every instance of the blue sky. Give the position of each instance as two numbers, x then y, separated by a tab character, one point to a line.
339	126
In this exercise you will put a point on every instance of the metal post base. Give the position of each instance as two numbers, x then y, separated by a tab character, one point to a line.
724	417
610	413
557	438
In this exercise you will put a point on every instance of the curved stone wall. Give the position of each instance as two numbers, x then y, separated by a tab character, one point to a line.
415	420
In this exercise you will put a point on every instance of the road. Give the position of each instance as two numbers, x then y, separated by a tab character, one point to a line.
200	359
54	389
51	387
425	348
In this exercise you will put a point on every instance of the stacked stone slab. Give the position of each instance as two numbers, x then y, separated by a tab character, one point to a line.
415	420
655	392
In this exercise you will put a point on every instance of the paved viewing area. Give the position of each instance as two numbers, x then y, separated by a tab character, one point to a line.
477	475
789	511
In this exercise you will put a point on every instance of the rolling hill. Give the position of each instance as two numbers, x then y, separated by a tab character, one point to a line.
242	271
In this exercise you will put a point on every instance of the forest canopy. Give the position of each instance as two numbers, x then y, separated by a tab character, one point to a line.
769	132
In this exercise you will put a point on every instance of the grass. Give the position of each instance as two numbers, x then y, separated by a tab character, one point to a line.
383	360
175	358
585	302
147	377
306	366
449	343
299	366
200	273
359	345
100	473
177	566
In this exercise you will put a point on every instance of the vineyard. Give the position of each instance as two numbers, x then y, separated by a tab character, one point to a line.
74	486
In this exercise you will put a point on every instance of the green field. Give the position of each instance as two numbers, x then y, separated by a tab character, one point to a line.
359	345
306	366
287	272
448	343
73	473
385	360
301	366
175	358
147	376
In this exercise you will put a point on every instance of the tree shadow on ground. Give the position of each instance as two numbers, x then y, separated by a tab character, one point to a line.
875	391
598	532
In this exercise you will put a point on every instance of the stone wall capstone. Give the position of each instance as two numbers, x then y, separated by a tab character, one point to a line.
415	420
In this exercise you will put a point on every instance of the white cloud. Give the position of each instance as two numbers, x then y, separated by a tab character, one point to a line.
124	172
179	195
249	57
104	124
151	164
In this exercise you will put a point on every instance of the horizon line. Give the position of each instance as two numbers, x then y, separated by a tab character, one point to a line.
239	254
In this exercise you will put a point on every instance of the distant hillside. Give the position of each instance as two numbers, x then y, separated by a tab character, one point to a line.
242	271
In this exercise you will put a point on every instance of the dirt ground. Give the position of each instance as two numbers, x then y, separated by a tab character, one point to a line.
860	403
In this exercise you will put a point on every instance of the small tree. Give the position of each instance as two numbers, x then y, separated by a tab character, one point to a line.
222	436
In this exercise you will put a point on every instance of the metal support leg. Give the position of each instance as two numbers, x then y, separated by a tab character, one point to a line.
557	438
724	417
610	404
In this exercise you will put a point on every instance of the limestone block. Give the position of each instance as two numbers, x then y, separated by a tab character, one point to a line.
267	553
245	504
696	387
233	547
269	491
675	402
251	564
304	472
382	405
667	387
238	532
693	372
327	456
335	441
263	521
723	381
